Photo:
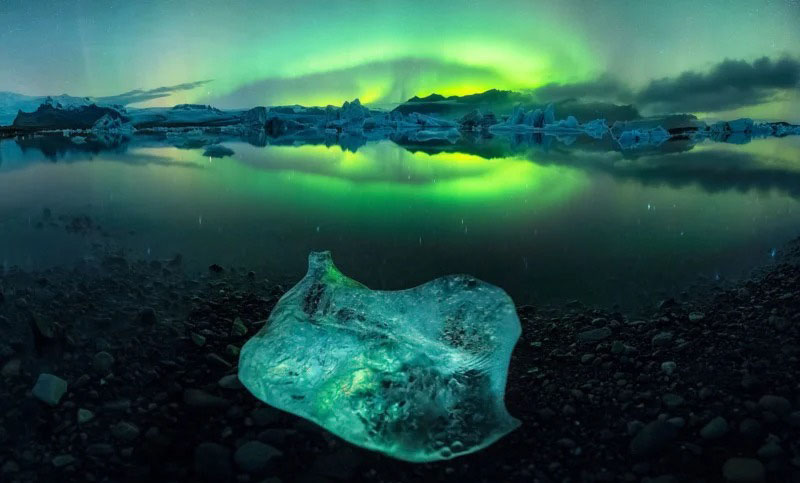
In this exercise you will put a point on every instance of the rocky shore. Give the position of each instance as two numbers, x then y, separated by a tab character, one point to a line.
120	370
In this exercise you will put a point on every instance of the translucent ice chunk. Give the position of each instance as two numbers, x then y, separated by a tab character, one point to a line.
417	374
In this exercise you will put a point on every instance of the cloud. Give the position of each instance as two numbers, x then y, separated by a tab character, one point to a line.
729	84
388	81
139	95
604	87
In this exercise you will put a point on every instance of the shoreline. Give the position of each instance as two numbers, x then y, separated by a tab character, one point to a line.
150	353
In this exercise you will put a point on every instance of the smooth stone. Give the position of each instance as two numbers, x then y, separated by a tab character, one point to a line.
63	460
230	381
212	462
672	400
49	389
84	416
668	367
770	450
11	368
201	399
750	428
238	328
198	339
594	335
777	404
652	438
125	431
255	456
743	470
696	316
662	339
103	361
715	429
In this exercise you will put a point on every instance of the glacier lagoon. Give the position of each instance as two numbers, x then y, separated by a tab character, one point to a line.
548	219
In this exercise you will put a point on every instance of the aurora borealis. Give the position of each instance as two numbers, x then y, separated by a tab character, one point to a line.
315	53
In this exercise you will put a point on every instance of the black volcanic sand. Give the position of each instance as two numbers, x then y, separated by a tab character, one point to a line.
695	390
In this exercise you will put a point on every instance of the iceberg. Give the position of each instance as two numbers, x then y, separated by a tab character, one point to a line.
417	374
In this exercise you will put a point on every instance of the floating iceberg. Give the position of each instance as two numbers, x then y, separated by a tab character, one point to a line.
417	374
637	138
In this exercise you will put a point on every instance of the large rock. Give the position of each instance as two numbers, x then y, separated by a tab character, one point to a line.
418	374
255	456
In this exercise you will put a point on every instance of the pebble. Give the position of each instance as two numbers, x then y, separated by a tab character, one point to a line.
84	416
11	368
102	362
212	461
201	399
147	316
594	335
770	450
750	428
255	456
49	389
696	316
198	339
63	460
652	438
672	400
125	431
662	339
743	470
668	367
715	429
776	404
238	328
230	381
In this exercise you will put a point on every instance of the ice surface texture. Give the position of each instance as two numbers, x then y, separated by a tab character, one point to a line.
417	374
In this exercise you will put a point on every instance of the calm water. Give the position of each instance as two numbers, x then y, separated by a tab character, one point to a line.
548	220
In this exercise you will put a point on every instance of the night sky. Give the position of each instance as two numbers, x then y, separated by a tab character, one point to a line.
320	52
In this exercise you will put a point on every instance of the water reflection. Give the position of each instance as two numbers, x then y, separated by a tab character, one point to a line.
547	218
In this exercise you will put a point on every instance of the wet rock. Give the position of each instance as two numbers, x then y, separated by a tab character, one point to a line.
49	389
201	399
230	381
11	368
594	335
147	316
715	429
125	431
652	438
99	449
776	404
696	316
662	339
255	456
668	367
743	470
750	428
63	460
102	362
212	462
672	400
238	329
198	339
770	451
84	416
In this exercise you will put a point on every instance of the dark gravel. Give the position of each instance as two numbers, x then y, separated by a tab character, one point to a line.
699	391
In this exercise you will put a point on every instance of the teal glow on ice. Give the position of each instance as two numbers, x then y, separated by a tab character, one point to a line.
417	374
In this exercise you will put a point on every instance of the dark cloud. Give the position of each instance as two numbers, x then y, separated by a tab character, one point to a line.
603	88
139	95
727	85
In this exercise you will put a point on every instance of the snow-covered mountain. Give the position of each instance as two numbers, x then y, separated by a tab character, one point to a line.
11	103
